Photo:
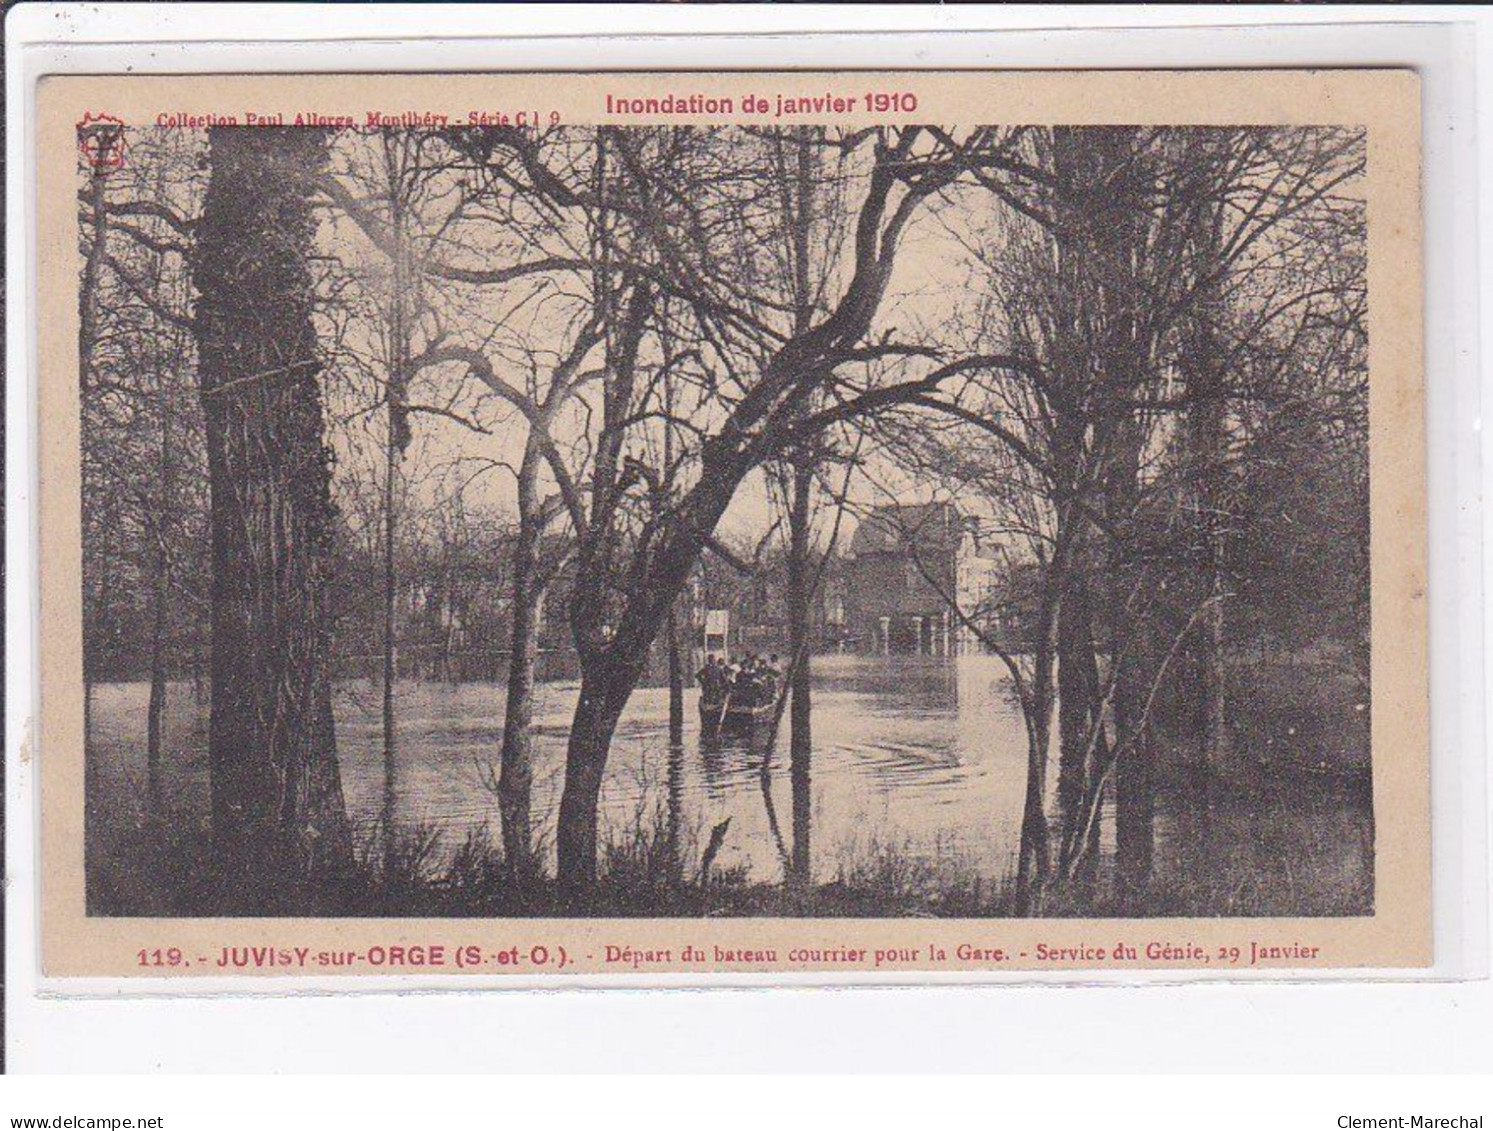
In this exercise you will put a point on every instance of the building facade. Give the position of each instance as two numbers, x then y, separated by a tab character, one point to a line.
910	567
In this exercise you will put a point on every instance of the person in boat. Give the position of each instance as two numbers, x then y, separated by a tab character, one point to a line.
747	685
714	679
741	682
772	674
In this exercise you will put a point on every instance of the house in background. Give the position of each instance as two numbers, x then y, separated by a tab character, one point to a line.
907	563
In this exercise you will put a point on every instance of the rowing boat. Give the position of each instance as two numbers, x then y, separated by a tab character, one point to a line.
726	715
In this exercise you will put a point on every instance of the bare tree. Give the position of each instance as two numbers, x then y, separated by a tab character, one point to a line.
614	624
279	824
1159	258
142	466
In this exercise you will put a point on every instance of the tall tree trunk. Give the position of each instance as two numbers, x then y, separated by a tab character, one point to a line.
516	772
1106	188
1080	710
160	586
1206	440
396	442
610	671
155	712
1132	644
280	828
164	527
800	568
1131	632
390	658
676	680
93	263
800	729
605	689
1135	802
675	781
1073	699
1215	700
1034	856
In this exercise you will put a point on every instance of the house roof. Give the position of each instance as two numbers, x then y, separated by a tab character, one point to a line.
930	528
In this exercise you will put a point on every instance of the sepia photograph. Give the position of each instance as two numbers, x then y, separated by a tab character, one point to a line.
679	521
504	516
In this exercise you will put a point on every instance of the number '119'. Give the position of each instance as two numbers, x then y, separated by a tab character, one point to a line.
171	956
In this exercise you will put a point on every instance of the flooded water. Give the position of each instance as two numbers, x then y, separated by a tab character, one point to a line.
923	755
915	760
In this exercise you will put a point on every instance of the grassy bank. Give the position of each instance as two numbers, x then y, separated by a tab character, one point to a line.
1232	846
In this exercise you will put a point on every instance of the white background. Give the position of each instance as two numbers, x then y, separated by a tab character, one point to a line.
1359	1027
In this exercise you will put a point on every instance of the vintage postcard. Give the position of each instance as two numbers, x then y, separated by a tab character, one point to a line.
794	523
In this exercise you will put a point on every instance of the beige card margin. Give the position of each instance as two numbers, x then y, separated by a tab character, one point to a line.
1387	102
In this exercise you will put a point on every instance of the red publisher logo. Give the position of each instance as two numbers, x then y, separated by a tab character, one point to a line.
101	141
